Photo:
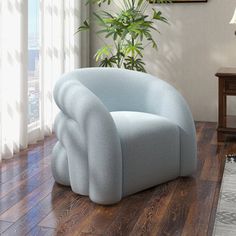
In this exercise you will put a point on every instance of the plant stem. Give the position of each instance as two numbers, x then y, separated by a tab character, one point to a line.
118	55
132	53
132	40
133	3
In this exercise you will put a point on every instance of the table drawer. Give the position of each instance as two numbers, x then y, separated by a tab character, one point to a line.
230	86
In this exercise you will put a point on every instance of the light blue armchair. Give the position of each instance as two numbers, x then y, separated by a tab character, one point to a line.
120	132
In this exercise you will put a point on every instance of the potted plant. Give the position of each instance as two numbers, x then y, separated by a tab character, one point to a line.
131	29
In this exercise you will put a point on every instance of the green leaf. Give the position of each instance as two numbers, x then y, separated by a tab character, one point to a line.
157	15
83	27
134	64
104	51
133	48
108	62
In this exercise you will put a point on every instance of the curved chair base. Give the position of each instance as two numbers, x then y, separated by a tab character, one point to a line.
59	165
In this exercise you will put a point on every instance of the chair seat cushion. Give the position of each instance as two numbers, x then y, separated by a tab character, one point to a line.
150	149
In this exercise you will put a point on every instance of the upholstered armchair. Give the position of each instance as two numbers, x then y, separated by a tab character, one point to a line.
120	132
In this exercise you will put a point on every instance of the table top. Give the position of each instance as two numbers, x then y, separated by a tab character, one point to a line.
226	72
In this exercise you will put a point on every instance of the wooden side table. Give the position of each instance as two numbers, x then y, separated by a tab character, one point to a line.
227	86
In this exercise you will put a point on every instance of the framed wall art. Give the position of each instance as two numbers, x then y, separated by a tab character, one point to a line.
189	1
181	1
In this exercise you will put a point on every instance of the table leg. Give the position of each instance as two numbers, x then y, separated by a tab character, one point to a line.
222	109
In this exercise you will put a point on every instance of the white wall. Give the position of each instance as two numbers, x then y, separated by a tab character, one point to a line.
197	42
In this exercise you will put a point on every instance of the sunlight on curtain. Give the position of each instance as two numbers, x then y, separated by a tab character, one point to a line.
60	51
13	74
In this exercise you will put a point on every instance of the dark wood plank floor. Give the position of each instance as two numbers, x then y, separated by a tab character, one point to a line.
32	204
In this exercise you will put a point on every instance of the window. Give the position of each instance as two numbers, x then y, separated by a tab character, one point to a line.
33	61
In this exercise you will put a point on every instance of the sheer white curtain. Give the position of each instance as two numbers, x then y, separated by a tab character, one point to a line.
60	51
13	77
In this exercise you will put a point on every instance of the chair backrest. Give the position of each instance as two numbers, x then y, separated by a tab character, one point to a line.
118	89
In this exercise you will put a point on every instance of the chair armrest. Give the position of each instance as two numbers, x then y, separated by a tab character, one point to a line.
173	106
101	139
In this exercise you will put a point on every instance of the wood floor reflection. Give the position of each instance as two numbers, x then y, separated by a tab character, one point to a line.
32	204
